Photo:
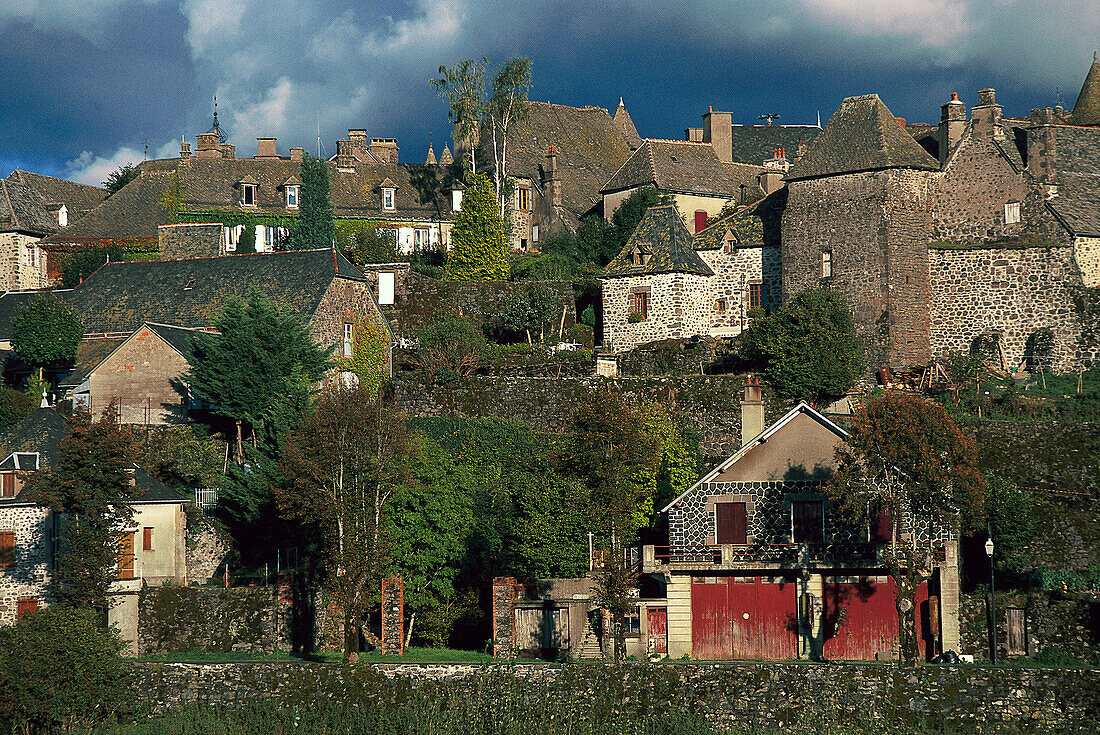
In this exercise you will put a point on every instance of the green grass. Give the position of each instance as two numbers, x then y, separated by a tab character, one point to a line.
412	656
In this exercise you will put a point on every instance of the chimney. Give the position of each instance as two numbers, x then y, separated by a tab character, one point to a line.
384	149
552	186
207	145
1042	146
987	113
801	151
718	131
770	180
752	411
296	153
228	150
345	154
185	149
265	148
693	135
952	125
358	140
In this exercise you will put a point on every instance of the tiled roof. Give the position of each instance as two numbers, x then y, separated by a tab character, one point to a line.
41	431
682	166
23	209
589	145
755	226
665	245
178	337
120	297
861	136
133	211
79	199
626	125
1087	109
757	143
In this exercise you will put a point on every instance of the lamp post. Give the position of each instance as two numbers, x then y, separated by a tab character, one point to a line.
992	596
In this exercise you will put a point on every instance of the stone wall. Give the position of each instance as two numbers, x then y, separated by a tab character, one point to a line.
27	577
1012	291
504	619
393	617
140	376
770	695
208	545
734	272
173	618
1086	252
22	262
1061	625
345	302
710	403
677	305
191	240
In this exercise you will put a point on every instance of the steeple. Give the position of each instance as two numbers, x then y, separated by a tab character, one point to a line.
1087	109
216	128
445	158
430	160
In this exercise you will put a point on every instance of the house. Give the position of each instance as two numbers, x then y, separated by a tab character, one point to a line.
700	183
151	550
760	565
669	284
752	144
25	218
558	162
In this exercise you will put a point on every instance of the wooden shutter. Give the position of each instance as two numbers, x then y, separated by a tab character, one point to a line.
126	555
700	220
807	516
7	549
731	523
7	485
25	606
882	525
147	539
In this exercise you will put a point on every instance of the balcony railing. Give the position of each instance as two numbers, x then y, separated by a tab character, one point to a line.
729	555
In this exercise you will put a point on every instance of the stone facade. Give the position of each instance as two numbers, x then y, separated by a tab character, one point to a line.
678	305
22	262
767	510
192	240
736	271
174	618
393	617
1055	623
346	301
26	578
208	545
1086	251
140	376
504	621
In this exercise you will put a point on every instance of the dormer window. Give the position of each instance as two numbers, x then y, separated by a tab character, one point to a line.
639	257
248	195
62	216
292	196
1012	213
388	199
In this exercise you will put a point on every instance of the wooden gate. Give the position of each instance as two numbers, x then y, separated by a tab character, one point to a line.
861	620
543	628
743	618
657	627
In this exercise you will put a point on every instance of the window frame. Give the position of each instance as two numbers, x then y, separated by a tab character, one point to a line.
639	303
796	527
389	199
349	339
248	195
7	550
523	199
758	295
826	264
292	190
1013	209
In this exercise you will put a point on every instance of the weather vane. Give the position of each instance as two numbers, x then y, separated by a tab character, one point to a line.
769	117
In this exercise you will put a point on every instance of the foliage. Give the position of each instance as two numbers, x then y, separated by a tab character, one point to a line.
366	242
523	313
46	331
478	247
368	355
181	456
259	369
462	86
90	482
80	264
61	669
1084	580
1011	514
597	241
314	228
172	198
507	112
541	267
16	405
448	348
246	244
120	177
429	262
344	468
906	454
808	348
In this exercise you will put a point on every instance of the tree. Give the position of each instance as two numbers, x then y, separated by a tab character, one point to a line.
448	348
463	88
246	243
61	670
46	332
172	198
366	242
808	348
344	467
83	263
314	228
181	456
905	454
259	369
618	458
90	483
508	111
478	247
120	177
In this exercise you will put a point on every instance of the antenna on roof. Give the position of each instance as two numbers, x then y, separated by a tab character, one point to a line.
769	117
1058	96
216	127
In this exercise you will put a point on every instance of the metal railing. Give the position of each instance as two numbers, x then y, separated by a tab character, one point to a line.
781	553
206	499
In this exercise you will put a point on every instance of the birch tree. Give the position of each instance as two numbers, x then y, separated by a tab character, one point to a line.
508	112
462	87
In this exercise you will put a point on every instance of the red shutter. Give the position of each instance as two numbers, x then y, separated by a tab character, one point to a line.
807	521
700	220
146	539
7	549
731	521
882	526
25	606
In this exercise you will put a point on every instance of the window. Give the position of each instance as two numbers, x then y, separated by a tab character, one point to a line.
349	338
421	238
25	606
632	623
534	233
720	305
826	263
126	555
7	549
807	521
269	238
248	195
522	201
758	296
292	195
387	200
386	287
147	539
730	523
7	485
639	304
1012	213
881	525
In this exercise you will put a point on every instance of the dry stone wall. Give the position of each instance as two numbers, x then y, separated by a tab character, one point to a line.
173	619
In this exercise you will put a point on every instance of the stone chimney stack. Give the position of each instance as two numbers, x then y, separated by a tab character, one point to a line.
345	155
265	148
207	146
296	153
693	135
358	139
718	131
185	149
952	125
1042	148
752	411
552	186
384	149
987	113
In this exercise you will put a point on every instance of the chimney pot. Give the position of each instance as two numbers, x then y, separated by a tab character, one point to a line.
954	96
901	121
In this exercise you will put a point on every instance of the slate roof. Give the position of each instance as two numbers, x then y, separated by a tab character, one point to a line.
861	136
663	237
79	199
23	209
589	145
1078	164
90	352
120	297
133	211
756	143
626	126
1086	111
755	226
682	166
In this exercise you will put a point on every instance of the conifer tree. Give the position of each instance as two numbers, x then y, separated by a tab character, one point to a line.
478	246
315	227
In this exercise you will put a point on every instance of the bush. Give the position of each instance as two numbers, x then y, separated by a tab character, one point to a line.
449	348
60	668
523	314
15	406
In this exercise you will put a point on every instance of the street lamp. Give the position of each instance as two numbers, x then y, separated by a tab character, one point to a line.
992	596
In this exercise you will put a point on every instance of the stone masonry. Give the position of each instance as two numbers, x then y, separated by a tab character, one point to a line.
393	617
27	577
504	621
678	305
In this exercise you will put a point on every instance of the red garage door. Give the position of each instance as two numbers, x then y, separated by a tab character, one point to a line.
743	618
861	618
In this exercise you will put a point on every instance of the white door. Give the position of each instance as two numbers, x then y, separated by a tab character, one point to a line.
385	287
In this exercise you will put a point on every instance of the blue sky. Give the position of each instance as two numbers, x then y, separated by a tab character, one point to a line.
87	84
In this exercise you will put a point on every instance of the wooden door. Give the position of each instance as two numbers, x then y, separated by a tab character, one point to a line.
657	622
711	619
731	525
1016	640
861	619
25	606
126	555
542	628
763	621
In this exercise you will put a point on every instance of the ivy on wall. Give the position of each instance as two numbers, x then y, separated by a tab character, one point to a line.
367	356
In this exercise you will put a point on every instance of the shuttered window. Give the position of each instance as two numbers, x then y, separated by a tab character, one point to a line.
126	555
807	521
730	523
7	549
